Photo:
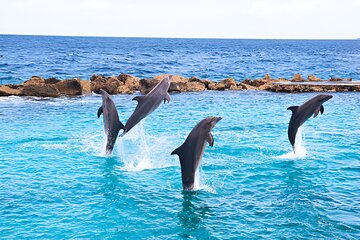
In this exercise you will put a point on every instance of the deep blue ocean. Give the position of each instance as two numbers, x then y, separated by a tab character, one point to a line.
56	183
216	59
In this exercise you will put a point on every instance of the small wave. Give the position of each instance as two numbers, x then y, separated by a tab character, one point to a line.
54	146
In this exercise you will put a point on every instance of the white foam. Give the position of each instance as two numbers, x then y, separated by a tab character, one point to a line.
200	181
139	150
299	149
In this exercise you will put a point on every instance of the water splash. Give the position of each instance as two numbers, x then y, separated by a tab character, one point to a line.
139	150
200	182
299	148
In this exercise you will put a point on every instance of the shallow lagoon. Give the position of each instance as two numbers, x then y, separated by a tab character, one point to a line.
56	183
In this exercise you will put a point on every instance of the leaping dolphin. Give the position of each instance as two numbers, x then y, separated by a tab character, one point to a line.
192	150
148	103
302	113
112	124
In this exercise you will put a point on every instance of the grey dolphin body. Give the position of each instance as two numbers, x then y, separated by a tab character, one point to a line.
192	150
112	124
302	113
148	103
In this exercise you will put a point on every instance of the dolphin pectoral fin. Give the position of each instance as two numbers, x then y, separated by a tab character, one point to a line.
167	98
100	111
321	109
316	112
293	108
210	139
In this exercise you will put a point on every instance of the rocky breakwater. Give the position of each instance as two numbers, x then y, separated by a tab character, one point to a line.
193	84
123	83
127	84
50	87
315	84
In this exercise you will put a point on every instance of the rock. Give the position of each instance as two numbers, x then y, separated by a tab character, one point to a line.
85	87
206	82
124	89
297	78
313	78
237	88
71	87
108	84
10	89
35	80
133	83
267	77
216	86
228	83
147	84
335	79
177	84
40	90
52	81
123	83
246	86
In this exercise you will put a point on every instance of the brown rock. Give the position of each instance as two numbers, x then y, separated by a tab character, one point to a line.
35	80
133	83
206	82
237	88
85	87
313	78
40	90
124	89
10	89
228	82
335	79
216	86
70	87
52	81
108	84
146	85
267	77
297	78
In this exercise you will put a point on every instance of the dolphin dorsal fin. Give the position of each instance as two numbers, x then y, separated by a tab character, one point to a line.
177	151
100	111
293	108
210	139
139	99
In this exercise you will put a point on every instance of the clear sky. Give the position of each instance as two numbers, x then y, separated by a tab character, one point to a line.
289	19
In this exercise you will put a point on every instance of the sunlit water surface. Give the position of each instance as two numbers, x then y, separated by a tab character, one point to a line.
56	183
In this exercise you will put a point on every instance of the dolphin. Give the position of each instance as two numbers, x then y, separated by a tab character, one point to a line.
112	124
302	113
192	150
148	103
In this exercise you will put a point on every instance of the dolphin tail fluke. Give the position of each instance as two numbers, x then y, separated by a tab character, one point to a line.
100	111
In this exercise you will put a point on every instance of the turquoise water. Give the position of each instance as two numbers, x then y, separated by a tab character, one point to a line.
56	183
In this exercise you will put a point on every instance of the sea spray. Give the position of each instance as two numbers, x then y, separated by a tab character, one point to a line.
299	150
139	151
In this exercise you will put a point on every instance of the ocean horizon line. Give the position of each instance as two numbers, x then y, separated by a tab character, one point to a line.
195	38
